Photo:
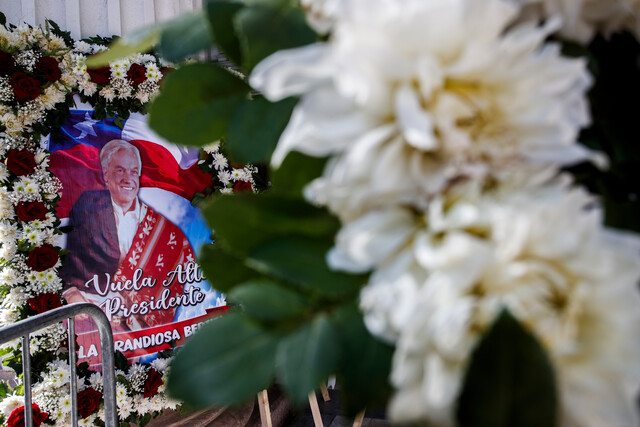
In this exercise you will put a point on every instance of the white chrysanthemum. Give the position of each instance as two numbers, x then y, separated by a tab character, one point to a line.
410	95
441	277
160	364
583	18
65	404
10	403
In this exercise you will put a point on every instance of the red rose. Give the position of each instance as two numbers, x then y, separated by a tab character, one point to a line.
100	75
49	67
152	383
242	187
25	87
21	162
88	401
7	64
44	302
137	74
16	418
42	258
29	211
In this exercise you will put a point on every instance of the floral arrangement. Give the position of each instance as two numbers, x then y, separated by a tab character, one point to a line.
29	255
35	78
447	205
120	88
39	71
229	178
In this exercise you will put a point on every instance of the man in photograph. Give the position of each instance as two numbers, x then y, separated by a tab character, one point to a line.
122	251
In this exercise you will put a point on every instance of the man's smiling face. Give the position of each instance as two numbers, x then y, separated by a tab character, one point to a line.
123	178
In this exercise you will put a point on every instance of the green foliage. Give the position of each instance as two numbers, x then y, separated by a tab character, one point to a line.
244	221
196	104
255	128
365	362
267	300
221	14
142	40
295	172
301	260
307	357
265	28
228	361
510	381
184	36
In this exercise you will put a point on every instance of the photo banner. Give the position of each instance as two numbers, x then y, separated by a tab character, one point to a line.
134	234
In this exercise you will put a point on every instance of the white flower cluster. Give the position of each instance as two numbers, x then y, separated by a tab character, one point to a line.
52	393
118	86
33	43
18	280
447	123
227	174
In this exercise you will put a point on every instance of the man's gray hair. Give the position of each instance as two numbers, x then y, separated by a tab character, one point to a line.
113	146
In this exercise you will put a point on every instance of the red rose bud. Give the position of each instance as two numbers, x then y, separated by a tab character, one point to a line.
25	87
152	383
88	401
100	75
137	74
48	66
42	257
242	187
44	302
30	211
7	64
16	418
21	162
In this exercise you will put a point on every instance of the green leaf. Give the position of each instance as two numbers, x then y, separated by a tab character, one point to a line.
306	358
365	362
184	36
139	41
296	172
241	222
196	104
3	19
255	128
4	389
221	14
301	260
264	30
266	300
227	361
223	270
510	381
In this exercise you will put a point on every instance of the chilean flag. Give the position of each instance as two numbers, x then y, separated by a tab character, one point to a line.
75	158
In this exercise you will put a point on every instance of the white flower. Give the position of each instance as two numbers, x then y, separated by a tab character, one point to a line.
65	404
10	403
409	96
440	278
224	177
219	161
581	19
160	364
321	14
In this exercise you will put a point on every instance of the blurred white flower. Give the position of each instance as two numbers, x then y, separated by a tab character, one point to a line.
10	403
441	276
582	19
409	96
321	14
